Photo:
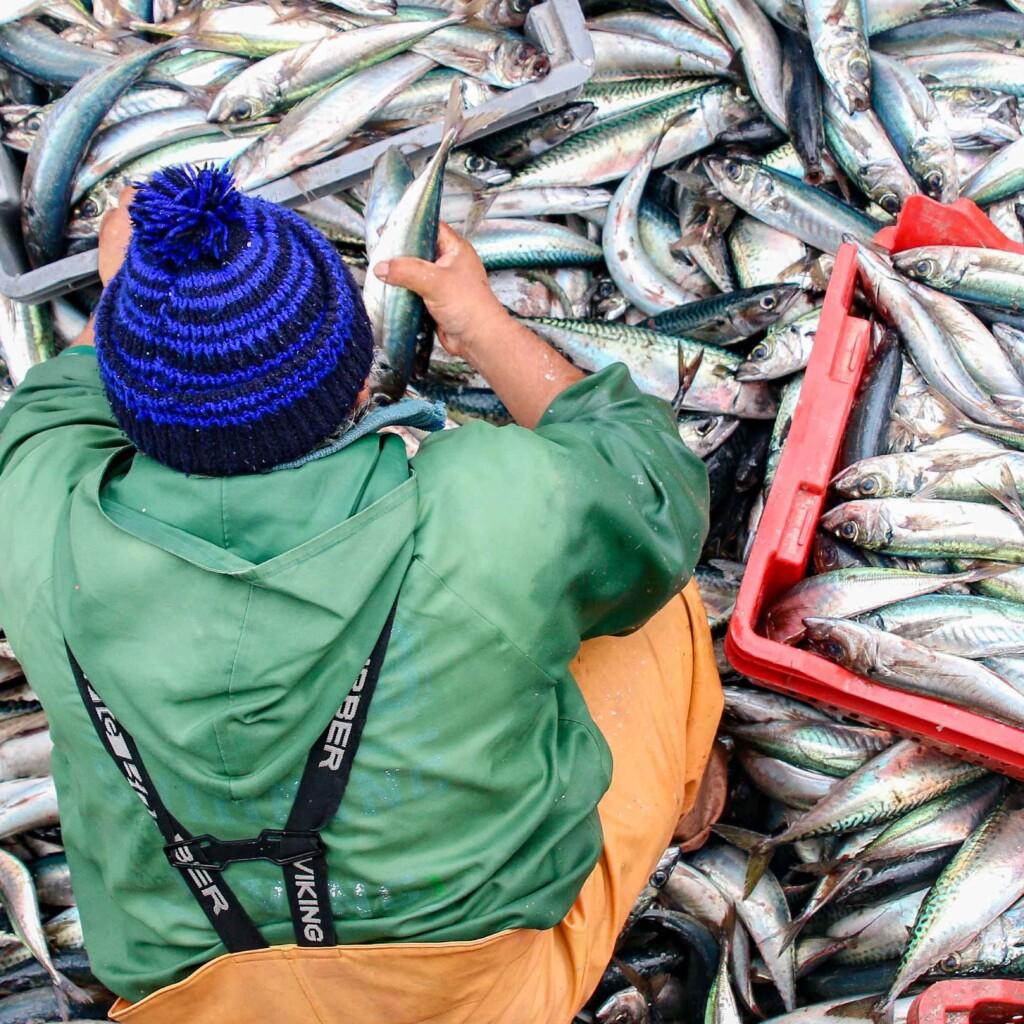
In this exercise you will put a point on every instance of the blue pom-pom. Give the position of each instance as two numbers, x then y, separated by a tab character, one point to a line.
185	213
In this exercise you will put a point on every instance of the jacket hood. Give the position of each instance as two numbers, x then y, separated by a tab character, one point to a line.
222	620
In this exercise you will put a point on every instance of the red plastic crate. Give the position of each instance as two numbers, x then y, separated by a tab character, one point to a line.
782	549
969	1002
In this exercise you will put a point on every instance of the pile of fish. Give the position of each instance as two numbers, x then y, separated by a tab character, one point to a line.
44	969
680	215
918	564
891	866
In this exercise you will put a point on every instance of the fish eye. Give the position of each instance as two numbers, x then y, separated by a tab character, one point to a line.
848	530
242	109
951	964
865	873
759	352
659	878
566	120
475	163
606	289
742	94
89	209
979	95
834	650
890	202
33	124
520	6
705	427
524	53
734	170
935	180
859	70
768	303
869	485
923	267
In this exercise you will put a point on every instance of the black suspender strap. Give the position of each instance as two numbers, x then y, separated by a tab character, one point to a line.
323	785
298	848
219	903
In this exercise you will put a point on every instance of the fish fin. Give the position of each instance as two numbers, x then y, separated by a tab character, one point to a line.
482	202
837	14
457	122
466	12
66	992
638	981
687	374
552	285
688	179
731	570
743	838
984	571
1008	495
792	930
856	1008
757	865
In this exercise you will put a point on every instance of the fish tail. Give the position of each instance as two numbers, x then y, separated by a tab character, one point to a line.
760	855
458	125
65	991
467	12
743	838
861	1008
791	931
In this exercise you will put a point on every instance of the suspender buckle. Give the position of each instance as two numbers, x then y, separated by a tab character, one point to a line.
277	845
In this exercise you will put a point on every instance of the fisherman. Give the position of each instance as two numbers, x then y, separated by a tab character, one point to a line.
341	735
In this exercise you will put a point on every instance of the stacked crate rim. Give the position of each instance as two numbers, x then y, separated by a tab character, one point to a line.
782	549
969	1001
557	26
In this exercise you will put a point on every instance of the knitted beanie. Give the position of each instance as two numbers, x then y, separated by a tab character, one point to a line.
233	338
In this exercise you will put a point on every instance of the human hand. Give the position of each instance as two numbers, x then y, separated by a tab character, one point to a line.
115	234
456	292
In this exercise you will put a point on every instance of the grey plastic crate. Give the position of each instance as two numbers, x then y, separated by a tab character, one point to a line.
557	26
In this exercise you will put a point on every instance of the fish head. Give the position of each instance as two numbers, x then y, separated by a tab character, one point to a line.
871	478
85	218
521	61
625	1007
569	120
770	305
759	358
940	267
509	13
232	106
606	301
844	642
704	433
991	115
477	167
735	177
941	180
862	523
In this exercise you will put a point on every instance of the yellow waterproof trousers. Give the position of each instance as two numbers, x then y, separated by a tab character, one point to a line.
656	697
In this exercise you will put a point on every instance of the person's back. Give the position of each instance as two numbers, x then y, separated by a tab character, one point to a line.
220	594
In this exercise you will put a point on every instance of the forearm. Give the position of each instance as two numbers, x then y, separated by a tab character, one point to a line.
526	373
87	337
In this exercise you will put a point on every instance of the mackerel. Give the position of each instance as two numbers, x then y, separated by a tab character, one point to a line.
654	358
893	782
914	668
986	875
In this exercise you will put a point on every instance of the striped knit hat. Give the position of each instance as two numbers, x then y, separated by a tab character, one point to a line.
233	339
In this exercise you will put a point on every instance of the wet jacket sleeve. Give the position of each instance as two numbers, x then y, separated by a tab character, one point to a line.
585	526
58	420
55	429
641	500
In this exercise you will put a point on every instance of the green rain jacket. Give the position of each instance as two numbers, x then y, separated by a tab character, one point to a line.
222	619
